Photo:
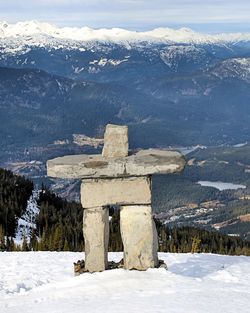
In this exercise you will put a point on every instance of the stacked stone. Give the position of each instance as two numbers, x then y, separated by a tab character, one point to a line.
133	195
116	179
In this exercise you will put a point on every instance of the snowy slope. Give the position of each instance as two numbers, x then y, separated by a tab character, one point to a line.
26	223
44	282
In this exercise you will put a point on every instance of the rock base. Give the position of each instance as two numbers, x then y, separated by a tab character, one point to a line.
79	266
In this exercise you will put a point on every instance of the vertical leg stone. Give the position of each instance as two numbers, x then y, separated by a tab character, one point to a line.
96	236
139	237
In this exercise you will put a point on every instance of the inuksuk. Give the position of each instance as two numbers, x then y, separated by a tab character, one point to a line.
118	178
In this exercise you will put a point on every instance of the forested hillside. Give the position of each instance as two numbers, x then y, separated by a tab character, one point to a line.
59	224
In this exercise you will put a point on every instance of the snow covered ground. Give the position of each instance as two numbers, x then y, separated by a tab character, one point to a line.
44	282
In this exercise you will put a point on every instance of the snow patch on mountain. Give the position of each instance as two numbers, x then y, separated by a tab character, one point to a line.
104	61
172	55
231	68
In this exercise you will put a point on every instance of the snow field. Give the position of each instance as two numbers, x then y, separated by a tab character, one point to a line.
44	282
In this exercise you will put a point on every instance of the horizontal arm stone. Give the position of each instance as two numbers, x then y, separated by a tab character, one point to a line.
142	163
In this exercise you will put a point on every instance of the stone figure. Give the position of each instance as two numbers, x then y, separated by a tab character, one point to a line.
118	178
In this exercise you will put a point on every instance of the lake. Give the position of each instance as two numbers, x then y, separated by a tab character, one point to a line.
220	185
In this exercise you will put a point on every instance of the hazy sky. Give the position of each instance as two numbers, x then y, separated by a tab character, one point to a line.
202	15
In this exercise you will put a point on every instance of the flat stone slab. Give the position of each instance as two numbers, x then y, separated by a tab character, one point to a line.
142	163
116	191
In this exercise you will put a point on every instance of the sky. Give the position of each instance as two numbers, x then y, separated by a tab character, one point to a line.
211	16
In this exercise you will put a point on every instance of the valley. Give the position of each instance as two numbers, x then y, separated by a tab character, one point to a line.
179	200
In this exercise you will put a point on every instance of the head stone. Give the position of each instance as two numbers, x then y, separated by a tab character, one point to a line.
115	142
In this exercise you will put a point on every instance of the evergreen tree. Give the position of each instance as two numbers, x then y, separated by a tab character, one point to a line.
25	246
66	245
196	242
12	245
2	239
33	246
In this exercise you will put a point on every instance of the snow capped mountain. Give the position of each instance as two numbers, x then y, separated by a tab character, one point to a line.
85	50
115	35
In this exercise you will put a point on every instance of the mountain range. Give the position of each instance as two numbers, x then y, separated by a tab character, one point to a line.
172	87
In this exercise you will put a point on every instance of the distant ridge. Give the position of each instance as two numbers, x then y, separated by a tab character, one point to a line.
117	35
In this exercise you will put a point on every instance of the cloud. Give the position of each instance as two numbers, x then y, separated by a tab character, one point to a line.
132	14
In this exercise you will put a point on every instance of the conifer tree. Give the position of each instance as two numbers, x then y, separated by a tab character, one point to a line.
12	245
66	245
195	245
25	246
33	241
2	239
